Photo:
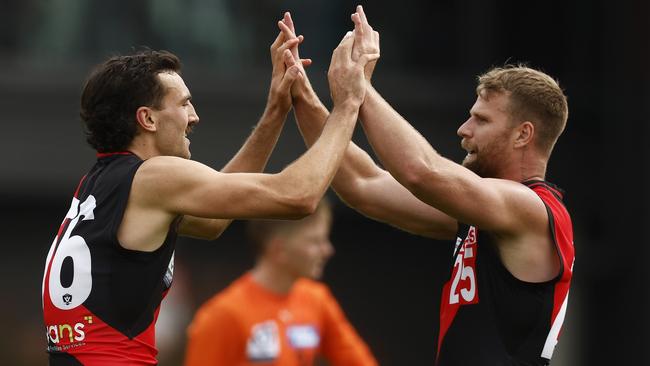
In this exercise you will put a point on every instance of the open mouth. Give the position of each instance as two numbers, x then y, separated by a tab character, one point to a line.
470	151
471	155
188	131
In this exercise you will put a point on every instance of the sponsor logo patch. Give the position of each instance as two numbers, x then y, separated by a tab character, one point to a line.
62	337
303	336
264	342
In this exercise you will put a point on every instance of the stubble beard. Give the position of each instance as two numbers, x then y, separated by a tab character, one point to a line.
476	166
486	163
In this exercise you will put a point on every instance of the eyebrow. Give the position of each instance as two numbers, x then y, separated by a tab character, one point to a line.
479	115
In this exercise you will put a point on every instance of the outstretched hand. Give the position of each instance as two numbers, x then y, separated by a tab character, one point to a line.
366	40
285	71
288	28
346	75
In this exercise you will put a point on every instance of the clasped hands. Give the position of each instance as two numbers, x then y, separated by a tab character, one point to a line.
352	64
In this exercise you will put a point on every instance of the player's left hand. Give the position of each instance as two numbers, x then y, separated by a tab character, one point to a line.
288	28
285	71
366	40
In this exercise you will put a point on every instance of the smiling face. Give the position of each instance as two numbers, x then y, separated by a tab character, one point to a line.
175	118
487	135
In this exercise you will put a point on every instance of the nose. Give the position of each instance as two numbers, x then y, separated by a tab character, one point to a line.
464	130
193	116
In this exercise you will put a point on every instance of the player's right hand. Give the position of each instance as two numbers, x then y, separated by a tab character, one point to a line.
345	75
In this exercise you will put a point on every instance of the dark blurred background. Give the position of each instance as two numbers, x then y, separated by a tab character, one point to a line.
387	281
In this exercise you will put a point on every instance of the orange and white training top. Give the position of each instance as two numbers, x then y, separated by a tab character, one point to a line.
247	324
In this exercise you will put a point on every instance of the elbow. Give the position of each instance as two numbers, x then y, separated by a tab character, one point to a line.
295	198
309	204
354	193
302	205
416	176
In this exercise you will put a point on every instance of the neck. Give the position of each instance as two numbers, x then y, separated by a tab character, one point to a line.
529	172
272	278
143	148
533	170
529	166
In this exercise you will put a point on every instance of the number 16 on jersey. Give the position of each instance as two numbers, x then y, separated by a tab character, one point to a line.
73	253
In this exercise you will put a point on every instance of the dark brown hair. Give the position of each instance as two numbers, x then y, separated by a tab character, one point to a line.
115	90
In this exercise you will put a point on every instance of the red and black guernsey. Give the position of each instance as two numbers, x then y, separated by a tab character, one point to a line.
489	317
100	300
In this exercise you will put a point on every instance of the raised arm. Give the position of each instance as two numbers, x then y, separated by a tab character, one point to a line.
492	204
513	213
359	181
497	205
254	154
165	187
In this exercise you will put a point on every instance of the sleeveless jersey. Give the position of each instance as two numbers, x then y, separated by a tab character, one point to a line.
100	300
489	317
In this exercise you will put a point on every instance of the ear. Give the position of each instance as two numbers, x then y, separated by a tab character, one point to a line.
524	134
144	116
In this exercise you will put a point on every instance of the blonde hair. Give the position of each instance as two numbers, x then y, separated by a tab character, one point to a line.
534	96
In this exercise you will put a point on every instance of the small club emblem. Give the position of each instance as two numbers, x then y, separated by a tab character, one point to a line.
67	299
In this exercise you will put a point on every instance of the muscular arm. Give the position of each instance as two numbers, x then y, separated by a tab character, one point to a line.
514	214
165	187
492	204
254	154
495	205
366	187
251	157
359	181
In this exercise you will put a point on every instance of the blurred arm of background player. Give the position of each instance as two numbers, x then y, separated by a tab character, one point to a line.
359	182
254	154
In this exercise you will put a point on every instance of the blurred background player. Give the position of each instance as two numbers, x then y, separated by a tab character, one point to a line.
278	313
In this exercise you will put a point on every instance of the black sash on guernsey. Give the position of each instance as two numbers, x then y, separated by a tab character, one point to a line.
489	317
100	300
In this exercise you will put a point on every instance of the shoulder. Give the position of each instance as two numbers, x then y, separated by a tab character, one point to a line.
225	306
551	195
168	165
156	168
513	210
230	298
517	196
553	198
547	192
314	289
509	186
162	176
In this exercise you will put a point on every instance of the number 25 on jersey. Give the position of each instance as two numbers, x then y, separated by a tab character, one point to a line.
463	287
